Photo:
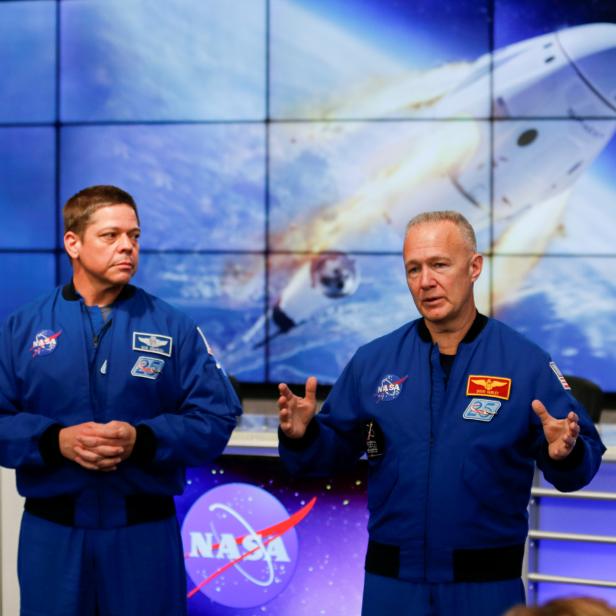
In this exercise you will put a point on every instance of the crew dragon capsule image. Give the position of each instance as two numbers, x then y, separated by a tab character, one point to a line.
516	202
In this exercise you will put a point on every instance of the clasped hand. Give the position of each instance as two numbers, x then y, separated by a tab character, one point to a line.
96	446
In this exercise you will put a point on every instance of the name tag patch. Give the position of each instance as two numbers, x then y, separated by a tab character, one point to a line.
481	410
148	367
152	343
489	386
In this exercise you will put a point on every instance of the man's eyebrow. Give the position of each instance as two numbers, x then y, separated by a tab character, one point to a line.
429	259
116	228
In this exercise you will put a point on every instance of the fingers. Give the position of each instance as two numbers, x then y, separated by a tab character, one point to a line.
286	426
310	395
284	390
561	434
284	415
93	435
87	455
288	404
573	429
115	430
118	434
90	441
105	465
311	389
103	450
91	461
93	442
97	456
540	410
286	395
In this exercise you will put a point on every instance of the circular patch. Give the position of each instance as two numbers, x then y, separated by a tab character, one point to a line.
45	342
390	387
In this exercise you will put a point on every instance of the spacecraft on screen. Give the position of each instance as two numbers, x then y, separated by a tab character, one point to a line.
554	104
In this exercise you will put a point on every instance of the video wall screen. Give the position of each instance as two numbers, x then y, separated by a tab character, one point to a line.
28	57
277	149
166	60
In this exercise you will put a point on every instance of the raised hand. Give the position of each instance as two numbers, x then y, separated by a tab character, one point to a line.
561	434
295	413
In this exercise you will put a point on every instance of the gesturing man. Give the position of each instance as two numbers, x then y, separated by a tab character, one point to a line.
453	410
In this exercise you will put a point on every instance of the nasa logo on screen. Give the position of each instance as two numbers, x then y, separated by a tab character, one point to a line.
240	545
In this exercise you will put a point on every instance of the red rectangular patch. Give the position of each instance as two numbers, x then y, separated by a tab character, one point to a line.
489	386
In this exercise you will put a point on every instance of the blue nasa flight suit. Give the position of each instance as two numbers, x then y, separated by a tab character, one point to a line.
451	461
106	543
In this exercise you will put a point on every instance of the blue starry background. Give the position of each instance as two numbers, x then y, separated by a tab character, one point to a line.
328	577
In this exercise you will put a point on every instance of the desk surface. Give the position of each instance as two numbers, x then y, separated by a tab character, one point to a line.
608	434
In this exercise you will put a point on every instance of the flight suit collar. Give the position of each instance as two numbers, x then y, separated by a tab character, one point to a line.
69	293
475	329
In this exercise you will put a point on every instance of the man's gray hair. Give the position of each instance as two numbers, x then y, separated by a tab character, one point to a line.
468	233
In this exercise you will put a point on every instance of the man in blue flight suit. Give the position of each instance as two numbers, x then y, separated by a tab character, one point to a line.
452	412
106	394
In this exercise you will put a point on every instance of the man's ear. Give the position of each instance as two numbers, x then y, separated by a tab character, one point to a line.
72	244
476	266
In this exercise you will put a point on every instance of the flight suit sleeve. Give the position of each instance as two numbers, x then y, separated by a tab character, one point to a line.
581	465
333	440
20	431
199	429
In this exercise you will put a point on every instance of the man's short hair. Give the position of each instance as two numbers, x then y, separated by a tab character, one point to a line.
468	233
78	210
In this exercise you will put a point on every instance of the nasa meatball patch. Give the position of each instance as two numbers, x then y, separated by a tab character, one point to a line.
45	342
389	388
